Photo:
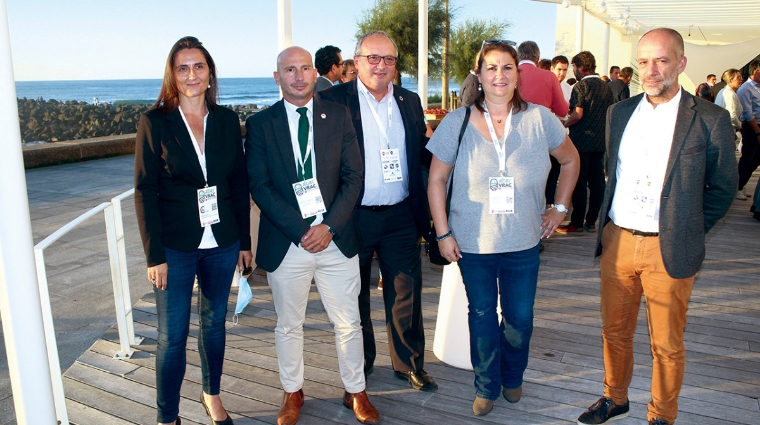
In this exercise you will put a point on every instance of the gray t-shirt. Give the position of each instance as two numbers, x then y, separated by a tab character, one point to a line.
535	132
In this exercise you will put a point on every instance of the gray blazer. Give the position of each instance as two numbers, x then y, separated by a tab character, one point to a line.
700	181
322	83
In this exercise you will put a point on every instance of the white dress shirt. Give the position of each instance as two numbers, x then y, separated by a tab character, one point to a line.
376	191
567	90
293	118
643	156
729	100
207	240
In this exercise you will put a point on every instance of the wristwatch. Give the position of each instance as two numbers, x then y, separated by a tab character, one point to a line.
330	230
561	208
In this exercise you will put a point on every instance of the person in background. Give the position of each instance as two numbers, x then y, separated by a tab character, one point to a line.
545	64
588	105
703	89
619	86
539	86
728	99
749	96
495	240
559	67
470	88
305	173
669	153
329	64
193	214
614	73
349	71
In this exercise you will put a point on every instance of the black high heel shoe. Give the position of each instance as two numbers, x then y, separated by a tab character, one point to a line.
227	421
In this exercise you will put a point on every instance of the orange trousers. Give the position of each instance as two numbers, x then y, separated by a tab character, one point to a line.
632	266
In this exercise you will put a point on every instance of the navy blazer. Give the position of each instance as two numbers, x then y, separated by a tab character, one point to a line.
700	180
272	172
168	175
414	127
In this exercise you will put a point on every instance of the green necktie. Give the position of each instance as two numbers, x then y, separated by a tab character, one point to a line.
303	142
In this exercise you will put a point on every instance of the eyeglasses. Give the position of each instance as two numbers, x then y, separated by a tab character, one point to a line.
497	41
375	59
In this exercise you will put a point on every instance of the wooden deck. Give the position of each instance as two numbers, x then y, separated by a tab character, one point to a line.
564	376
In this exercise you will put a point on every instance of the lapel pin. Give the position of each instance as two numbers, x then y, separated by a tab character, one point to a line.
401	98
323	116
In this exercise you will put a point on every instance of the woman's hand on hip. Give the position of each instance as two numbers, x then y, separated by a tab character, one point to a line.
450	249
157	275
550	220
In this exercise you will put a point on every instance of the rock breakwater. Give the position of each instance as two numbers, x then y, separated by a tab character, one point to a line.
55	121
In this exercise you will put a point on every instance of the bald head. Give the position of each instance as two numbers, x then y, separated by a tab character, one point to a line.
289	53
295	75
669	35
660	59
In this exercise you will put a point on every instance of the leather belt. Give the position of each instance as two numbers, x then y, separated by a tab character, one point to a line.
376	208
635	232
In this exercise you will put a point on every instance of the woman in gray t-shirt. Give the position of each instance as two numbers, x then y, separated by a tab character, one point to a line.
497	216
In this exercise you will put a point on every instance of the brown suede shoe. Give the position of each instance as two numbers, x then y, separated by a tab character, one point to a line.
291	407
364	410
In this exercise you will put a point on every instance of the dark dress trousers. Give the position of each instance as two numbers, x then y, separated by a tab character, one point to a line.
272	172
394	233
700	180
168	175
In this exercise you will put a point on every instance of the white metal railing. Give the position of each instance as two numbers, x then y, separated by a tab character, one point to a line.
119	277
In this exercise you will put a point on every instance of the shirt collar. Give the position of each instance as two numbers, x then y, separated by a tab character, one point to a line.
291	108
363	89
671	105
529	62
591	76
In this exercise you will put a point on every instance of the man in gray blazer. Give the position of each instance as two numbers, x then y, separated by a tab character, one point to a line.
671	177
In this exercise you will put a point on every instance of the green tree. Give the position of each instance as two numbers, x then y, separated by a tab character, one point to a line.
399	19
466	40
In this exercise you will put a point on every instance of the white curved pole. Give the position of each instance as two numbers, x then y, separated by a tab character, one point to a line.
422	53
20	306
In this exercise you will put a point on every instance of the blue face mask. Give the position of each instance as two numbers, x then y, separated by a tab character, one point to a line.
243	298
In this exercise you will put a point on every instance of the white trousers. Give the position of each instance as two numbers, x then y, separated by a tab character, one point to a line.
338	283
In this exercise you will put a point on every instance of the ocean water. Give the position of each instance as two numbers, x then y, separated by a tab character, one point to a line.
232	91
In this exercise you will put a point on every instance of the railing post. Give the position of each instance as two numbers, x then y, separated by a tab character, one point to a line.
52	352
122	253
118	294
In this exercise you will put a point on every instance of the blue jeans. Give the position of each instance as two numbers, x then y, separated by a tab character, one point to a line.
214	268
499	352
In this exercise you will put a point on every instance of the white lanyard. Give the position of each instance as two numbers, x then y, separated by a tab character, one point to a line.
303	158
501	152
383	131
196	146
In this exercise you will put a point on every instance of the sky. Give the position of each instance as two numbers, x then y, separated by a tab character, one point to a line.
110	39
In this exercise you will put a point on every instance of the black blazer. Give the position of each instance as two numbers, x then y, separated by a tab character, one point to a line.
168	174
414	127
700	180
272	172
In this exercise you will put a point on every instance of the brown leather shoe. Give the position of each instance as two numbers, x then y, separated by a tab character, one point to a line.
291	407
364	410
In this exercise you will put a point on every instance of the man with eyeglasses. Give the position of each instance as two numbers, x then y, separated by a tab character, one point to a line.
329	65
392	209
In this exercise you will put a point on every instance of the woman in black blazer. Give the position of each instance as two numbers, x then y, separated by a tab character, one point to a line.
192	207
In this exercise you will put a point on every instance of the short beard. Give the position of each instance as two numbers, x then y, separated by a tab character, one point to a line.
663	87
